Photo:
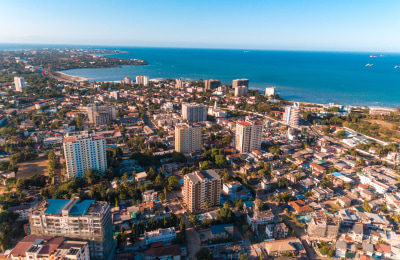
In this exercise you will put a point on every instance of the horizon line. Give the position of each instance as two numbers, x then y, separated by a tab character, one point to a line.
203	48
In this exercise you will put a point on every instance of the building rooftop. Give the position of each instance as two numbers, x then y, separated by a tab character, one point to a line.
73	206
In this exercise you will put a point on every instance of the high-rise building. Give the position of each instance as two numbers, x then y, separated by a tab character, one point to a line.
19	83
240	82
101	115
200	186
87	220
248	136
178	84
194	112
83	152
270	91
292	115
187	138
127	80
212	84
142	80
240	91
114	95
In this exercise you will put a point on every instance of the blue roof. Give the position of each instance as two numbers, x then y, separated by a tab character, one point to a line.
56	206
81	208
218	229
336	174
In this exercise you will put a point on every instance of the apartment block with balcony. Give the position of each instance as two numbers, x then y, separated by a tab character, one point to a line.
86	220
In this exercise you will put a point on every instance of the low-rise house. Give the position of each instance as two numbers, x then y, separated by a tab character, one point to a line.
221	231
141	177
357	233
172	252
149	195
300	207
23	211
259	219
279	247
344	201
47	247
165	235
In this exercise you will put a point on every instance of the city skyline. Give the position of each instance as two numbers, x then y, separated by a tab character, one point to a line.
291	25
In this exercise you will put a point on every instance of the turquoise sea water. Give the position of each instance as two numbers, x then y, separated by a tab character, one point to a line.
319	77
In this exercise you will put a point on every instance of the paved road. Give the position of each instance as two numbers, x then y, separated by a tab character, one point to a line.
192	240
299	232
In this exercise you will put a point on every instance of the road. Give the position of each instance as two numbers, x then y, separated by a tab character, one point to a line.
299	232
192	237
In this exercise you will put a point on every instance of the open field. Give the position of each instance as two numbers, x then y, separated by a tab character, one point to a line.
382	123
30	168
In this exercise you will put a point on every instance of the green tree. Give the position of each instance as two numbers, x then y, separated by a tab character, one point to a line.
207	204
366	206
220	160
173	183
341	134
204	254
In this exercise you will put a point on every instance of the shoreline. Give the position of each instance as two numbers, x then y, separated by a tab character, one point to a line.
65	77
80	79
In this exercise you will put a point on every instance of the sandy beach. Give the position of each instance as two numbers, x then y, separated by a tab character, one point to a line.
64	77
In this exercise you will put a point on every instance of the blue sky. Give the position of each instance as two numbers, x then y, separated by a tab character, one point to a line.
342	25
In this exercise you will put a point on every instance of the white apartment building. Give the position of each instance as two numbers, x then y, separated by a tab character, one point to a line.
142	80
194	112
178	84
165	235
114	95
292	115
19	83
187	138
371	181
248	136
87	220
200	186
270	91
240	91
149	195
83	152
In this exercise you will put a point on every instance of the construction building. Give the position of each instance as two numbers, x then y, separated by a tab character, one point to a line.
248	136
200	186
323	226
101	115
83	152
194	112
87	220
187	138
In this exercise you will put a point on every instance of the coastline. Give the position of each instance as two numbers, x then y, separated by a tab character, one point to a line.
80	79
65	77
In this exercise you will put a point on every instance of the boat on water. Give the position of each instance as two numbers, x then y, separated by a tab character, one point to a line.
369	65
245	51
372	56
397	67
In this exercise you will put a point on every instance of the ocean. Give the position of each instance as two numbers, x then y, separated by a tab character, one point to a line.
318	77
